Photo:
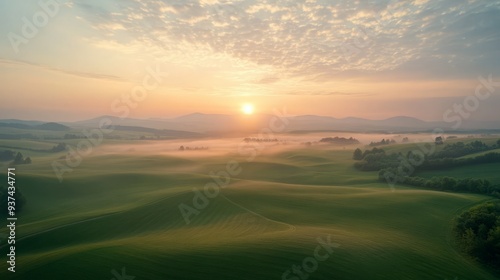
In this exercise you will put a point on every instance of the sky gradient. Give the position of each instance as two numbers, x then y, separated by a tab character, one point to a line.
370	59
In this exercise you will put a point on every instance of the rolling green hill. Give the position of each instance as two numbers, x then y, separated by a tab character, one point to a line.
122	210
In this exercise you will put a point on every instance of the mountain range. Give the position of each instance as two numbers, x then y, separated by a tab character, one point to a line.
221	123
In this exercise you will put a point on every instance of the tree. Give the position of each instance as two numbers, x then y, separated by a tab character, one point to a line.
59	148
439	140
18	159
478	232
498	143
358	154
181	148
339	140
415	158
469	241
448	183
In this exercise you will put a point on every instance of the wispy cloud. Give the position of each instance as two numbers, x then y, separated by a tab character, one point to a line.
318	37
68	72
335	93
309	54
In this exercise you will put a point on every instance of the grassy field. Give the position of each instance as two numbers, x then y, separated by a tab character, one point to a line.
122	210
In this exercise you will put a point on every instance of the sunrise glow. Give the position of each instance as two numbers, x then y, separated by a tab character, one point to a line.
247	109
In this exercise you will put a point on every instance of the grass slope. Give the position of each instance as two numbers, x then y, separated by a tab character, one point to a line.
119	211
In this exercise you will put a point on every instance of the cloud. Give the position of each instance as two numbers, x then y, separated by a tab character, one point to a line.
325	93
317	38
68	72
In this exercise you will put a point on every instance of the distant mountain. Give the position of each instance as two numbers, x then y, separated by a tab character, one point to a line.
403	121
208	122
33	125
218	124
159	132
200	117
16	121
150	123
52	126
394	124
16	125
196	122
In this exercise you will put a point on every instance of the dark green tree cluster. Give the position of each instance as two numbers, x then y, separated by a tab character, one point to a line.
339	140
443	163
395	168
71	136
19	199
58	148
478	232
383	142
375	159
19	159
358	154
460	149
468	185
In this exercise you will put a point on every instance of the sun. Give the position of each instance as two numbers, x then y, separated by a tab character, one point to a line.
247	109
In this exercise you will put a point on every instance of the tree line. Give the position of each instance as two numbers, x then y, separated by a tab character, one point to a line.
15	158
445	183
478	229
444	163
383	142
339	140
460	149
377	159
390	168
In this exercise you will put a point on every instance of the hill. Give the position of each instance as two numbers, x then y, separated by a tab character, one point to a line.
220	123
119	211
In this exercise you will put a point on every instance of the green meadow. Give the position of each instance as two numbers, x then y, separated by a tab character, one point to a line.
121	210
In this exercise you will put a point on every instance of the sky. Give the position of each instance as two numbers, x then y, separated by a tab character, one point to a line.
74	60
